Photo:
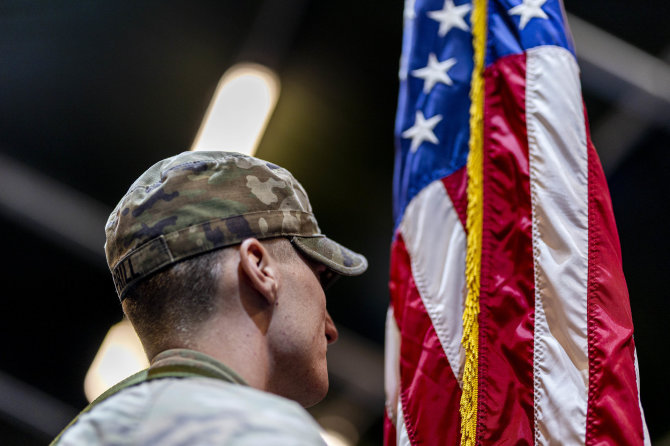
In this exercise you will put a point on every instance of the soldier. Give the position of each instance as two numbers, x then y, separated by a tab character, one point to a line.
220	266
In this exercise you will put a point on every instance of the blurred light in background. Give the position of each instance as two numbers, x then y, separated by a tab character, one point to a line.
240	110
333	438
338	430
120	355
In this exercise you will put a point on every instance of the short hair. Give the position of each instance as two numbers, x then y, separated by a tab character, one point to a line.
167	308
172	303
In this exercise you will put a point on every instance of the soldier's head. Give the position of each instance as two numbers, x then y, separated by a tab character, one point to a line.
204	236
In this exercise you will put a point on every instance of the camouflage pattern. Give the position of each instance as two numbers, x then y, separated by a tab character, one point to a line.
192	410
196	202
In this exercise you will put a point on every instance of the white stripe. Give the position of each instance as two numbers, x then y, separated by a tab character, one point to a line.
435	241
559	194
392	365
401	429
645	431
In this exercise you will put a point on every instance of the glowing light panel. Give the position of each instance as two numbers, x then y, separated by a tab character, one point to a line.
120	355
240	110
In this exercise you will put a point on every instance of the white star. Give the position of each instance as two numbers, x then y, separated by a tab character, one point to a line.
435	72
527	10
451	16
422	130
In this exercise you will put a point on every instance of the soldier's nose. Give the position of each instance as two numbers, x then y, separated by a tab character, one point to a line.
331	330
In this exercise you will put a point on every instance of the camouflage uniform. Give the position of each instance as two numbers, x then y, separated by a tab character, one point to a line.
182	207
193	411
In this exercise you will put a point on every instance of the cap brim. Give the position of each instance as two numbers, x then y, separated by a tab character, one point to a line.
341	260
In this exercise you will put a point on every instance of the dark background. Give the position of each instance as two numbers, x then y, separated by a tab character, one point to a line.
93	92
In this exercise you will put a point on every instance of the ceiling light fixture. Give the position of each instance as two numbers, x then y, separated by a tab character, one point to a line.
120	355
240	110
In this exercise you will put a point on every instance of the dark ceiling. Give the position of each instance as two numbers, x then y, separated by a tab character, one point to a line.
93	92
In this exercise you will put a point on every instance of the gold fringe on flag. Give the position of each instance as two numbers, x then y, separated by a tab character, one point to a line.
473	257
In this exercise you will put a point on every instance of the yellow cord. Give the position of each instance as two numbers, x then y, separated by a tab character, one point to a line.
475	168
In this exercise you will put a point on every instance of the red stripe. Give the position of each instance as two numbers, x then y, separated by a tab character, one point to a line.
456	185
390	435
507	301
613	415
429	392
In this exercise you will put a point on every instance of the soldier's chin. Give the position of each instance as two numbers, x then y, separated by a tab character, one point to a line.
315	396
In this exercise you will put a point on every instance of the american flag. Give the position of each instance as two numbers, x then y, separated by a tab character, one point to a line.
509	320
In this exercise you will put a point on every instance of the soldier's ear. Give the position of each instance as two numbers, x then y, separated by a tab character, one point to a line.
260	268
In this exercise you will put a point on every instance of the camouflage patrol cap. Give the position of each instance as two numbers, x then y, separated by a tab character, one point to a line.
196	202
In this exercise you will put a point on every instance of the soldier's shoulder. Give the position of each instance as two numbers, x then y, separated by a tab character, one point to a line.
195	410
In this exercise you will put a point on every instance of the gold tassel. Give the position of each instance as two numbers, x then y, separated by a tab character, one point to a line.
470	339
